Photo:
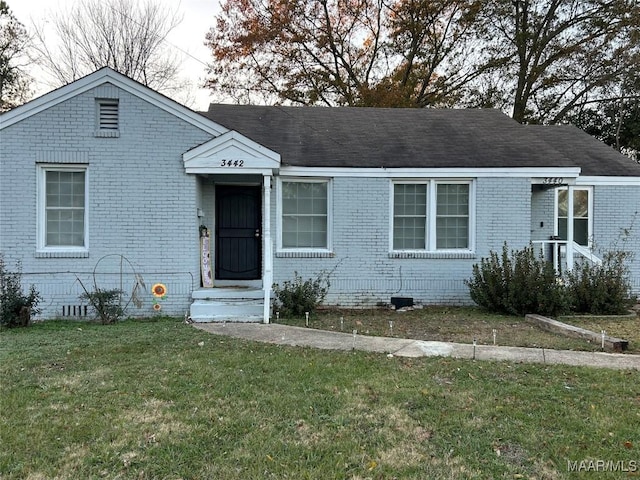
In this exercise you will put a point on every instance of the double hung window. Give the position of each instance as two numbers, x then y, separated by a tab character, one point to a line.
62	208
305	214
582	207
432	215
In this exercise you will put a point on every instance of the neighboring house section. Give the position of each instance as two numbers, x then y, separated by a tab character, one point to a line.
105	183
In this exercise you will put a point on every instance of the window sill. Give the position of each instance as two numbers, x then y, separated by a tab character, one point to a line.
107	133
305	254
423	254
62	254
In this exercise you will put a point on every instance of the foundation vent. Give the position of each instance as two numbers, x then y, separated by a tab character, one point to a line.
77	311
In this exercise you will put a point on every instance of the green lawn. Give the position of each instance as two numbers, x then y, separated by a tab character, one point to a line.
162	400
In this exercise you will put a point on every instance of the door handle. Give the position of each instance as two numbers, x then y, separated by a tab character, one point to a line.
257	234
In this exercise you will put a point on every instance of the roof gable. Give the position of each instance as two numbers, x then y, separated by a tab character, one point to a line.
231	151
100	77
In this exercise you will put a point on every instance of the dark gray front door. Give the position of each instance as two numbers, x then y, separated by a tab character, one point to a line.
238	232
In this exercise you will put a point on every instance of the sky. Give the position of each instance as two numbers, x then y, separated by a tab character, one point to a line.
187	39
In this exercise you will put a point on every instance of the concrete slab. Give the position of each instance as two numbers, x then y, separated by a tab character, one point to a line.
309	337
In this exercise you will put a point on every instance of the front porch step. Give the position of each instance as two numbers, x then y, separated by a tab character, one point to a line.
228	293
227	304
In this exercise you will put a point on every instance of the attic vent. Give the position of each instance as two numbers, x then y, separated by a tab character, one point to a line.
108	114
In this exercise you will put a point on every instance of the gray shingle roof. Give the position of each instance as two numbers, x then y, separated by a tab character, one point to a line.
410	138
593	156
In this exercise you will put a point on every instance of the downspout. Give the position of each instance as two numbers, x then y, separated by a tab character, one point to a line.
267	277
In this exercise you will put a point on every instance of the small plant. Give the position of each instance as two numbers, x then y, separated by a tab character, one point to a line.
106	303
16	308
297	296
601	289
517	283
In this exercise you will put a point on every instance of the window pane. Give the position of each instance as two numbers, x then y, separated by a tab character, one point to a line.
65	227
563	203
409	234
581	231
319	205
289	190
65	189
452	233
580	203
453	199
562	228
410	199
289	206
289	239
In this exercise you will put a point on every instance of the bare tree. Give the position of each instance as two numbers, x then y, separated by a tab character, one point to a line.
14	81
555	56
126	35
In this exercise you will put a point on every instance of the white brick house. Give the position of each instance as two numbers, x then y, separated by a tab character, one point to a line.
106	183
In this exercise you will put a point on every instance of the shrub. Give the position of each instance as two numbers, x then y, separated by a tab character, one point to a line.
517	283
601	289
297	296
106	304
16	308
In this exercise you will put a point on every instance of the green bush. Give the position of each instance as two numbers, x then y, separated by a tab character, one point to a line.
106	304
16	308
601	289
517	283
297	296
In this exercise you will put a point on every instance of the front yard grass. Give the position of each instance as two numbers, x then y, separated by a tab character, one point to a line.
464	324
162	400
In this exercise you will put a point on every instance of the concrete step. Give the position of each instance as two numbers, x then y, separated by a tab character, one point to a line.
228	293
233	303
238	310
238	283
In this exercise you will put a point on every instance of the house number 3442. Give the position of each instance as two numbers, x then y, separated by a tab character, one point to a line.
231	163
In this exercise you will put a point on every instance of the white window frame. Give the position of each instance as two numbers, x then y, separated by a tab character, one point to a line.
279	213
556	218
431	221
42	246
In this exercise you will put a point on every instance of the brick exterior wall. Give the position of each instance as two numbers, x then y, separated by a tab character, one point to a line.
542	213
616	224
363	273
141	203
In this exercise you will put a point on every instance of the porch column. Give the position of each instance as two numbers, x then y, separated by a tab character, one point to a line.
569	228
267	276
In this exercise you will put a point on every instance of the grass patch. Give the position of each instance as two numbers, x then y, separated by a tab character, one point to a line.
625	327
462	325
162	400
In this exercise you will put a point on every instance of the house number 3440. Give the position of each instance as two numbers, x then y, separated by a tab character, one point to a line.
553	181
231	163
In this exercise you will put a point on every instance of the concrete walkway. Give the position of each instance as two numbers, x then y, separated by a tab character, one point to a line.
309	337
